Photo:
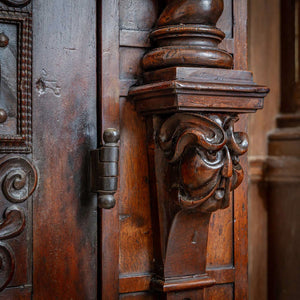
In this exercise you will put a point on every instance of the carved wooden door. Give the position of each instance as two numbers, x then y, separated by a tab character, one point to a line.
170	218
48	125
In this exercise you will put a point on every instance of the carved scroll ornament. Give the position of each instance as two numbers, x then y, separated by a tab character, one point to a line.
18	177
12	225
206	150
13	222
7	263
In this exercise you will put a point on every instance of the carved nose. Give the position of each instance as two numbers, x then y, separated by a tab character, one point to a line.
227	168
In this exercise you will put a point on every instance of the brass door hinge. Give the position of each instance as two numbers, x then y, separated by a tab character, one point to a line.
104	169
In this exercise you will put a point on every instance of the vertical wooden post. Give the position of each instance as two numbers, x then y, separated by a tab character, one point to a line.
193	98
108	117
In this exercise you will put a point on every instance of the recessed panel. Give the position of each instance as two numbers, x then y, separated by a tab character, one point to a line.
15	81
8	78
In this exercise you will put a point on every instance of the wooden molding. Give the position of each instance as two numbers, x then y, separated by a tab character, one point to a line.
20	141
197	89
272	169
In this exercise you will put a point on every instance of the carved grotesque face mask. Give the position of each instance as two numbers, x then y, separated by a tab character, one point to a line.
207	152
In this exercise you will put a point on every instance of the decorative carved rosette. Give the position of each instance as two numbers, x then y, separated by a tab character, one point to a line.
206	150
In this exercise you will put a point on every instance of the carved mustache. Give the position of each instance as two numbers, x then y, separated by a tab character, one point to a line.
185	130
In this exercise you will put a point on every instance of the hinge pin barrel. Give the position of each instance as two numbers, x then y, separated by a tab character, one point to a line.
104	167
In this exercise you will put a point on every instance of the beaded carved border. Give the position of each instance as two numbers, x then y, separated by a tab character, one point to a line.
21	141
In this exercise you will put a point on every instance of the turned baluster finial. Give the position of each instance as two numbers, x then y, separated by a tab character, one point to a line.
201	12
186	35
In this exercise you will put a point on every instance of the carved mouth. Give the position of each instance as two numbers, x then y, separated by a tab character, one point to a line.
187	202
218	198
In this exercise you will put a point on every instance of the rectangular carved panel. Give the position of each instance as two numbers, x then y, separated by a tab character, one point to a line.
9	77
18	176
15	81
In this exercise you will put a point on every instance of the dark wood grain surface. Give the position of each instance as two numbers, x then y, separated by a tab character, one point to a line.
108	117
64	130
164	239
166	91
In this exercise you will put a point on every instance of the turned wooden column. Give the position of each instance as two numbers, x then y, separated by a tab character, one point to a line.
186	35
191	99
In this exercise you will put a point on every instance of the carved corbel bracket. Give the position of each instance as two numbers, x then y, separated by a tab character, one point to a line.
196	168
191	101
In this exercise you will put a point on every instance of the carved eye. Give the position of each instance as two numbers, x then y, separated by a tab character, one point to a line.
211	155
212	158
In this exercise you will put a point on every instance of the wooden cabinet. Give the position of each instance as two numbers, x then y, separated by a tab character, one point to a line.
171	77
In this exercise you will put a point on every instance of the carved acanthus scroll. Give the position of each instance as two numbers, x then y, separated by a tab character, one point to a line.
12	225
18	178
207	153
7	265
